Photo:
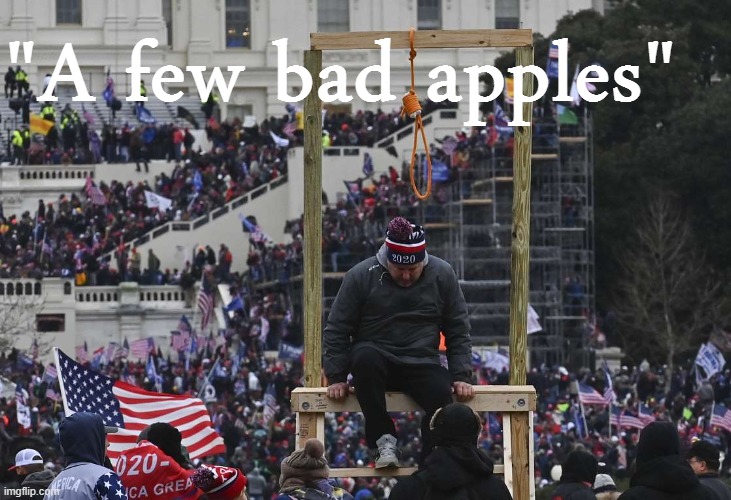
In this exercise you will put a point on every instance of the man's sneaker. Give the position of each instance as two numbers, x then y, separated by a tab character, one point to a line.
387	455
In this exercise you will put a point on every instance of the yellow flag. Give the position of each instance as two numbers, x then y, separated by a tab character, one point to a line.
40	126
509	90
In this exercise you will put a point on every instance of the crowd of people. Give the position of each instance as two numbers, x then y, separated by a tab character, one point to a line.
68	238
255	445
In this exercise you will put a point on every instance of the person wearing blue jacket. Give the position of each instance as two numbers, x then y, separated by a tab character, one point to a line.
83	443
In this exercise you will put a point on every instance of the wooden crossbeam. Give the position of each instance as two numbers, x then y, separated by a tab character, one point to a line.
400	472
423	39
499	398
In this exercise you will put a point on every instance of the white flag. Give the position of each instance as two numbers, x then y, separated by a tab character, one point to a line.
21	407
533	324
575	97
156	201
710	359
280	142
496	360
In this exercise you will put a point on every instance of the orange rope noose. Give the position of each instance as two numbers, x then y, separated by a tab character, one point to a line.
412	108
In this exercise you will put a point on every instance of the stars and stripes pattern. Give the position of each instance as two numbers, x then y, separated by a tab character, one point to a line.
82	354
270	404
721	417
630	420
94	193
553	51
109	487
132	409
589	396
205	304
113	352
615	416
140	348
645	414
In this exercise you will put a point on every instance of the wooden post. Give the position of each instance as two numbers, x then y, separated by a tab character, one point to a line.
312	288
519	272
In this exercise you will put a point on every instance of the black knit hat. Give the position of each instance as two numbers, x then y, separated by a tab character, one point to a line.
579	467
168	439
405	242
658	439
455	425
705	452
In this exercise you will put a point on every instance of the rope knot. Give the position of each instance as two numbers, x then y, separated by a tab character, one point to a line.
412	106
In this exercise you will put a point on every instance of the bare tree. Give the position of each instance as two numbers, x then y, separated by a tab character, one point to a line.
669	299
18	314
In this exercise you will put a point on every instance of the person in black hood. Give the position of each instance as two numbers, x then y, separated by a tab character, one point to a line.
577	477
169	440
661	472
455	469
83	443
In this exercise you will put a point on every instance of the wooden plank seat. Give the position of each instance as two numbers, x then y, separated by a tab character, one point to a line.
311	404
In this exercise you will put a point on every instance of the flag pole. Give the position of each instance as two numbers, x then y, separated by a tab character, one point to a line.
66	410
583	412
208	378
611	408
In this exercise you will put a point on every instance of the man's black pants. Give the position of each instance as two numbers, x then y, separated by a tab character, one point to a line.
429	385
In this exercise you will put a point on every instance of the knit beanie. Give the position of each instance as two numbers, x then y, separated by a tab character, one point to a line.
579	467
305	466
455	425
604	482
405	242
219	483
658	439
168	439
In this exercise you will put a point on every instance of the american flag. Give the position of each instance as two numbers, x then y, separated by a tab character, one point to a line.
49	377
96	195
630	420
82	353
449	145
721	417
125	349
615	416
270	404
645	414
132	409
589	396
113	353
553	51
205	303
140	348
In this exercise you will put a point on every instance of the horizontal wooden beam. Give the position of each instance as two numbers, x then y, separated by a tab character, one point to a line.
371	472
499	398
424	39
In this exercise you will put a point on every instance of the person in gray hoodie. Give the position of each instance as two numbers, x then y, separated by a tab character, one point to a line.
83	443
384	328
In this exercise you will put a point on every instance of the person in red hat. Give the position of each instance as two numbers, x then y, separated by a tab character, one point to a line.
220	483
384	329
